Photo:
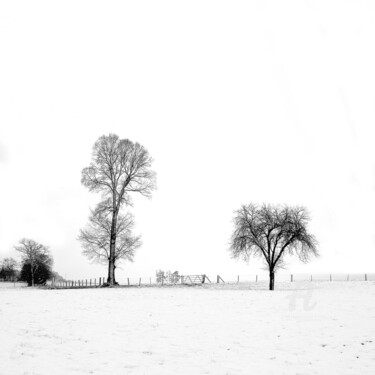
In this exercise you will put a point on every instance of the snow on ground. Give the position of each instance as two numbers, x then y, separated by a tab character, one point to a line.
301	328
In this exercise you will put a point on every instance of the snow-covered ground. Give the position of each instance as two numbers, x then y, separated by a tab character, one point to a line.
301	328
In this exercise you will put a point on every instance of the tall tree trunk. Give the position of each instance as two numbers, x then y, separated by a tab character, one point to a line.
111	265
272	279
109	270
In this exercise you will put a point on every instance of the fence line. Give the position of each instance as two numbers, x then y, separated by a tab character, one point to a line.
297	277
200	279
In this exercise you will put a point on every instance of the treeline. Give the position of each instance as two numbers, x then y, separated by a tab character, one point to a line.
35	267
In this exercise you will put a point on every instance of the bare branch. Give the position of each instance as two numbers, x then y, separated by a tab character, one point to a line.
95	238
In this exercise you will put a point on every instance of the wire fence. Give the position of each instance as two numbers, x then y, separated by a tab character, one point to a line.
296	277
212	279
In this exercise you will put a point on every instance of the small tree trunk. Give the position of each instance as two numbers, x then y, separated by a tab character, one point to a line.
272	280
32	275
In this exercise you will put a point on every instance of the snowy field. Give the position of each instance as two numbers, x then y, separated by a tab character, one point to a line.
301	328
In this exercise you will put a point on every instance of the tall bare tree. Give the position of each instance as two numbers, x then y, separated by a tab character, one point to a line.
33	253
271	232
95	238
118	167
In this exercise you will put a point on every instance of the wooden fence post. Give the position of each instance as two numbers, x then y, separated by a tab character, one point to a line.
220	278
100	281
330	277
238	279
139	281
256	278
291	278
365	276
128	281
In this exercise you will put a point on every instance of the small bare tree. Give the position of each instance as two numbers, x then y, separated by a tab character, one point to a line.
33	253
118	167
160	276
168	277
8	269
271	232
96	237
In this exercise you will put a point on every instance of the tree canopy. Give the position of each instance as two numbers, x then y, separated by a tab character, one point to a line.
41	273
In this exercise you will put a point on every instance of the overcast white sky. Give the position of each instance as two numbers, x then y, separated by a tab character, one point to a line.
237	101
